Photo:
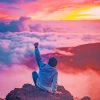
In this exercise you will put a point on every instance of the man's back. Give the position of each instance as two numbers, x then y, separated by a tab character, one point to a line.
47	77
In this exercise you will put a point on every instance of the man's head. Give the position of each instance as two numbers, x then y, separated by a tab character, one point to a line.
52	61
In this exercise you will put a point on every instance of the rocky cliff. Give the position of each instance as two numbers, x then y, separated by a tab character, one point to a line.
30	92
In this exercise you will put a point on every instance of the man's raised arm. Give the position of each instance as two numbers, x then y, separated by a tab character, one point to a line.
37	56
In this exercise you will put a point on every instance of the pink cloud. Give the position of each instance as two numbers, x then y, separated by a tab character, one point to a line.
80	85
18	75
34	7
64	52
5	44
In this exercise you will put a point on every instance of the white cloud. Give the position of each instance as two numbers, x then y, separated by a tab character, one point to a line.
92	13
64	52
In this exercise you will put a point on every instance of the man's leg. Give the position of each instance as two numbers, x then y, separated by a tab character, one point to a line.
34	76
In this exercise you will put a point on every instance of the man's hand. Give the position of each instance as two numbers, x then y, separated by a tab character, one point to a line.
36	45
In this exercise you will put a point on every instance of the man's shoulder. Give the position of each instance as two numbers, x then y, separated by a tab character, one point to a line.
55	70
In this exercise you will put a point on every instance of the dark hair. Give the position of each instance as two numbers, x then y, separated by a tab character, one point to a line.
52	61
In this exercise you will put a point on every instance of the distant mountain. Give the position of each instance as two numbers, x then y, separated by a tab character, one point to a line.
80	57
85	56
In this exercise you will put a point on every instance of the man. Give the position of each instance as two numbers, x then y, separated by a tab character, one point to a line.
46	79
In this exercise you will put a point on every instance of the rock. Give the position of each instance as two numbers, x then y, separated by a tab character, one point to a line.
86	98
30	92
1	99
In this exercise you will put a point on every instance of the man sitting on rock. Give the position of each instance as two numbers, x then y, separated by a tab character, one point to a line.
46	79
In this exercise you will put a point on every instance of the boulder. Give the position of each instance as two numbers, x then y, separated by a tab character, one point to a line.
30	92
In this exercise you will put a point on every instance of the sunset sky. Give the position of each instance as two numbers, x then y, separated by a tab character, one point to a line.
54	24
50	9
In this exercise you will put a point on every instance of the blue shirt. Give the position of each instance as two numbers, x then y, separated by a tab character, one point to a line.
47	77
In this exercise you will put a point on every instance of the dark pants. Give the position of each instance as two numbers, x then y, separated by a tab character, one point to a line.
34	76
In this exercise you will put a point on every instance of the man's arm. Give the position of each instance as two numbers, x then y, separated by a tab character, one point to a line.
54	83
37	56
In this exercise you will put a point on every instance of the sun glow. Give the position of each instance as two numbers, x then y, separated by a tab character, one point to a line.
85	14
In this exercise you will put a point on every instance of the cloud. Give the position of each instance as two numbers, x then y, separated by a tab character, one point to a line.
18	43
8	1
47	10
16	1
91	38
78	1
85	57
5	56
62	52
21	43
51	27
30	0
14	25
92	13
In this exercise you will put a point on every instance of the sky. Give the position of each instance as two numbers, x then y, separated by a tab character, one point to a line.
55	24
50	9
